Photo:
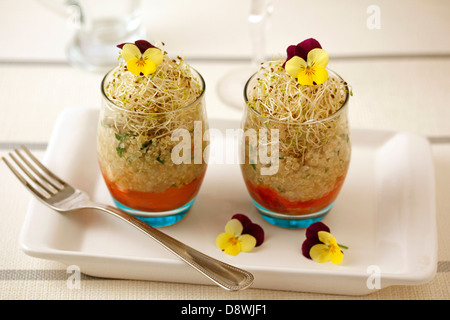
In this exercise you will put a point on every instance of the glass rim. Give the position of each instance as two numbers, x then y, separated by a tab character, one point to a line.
329	118
102	89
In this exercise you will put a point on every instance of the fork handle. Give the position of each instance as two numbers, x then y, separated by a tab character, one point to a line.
226	276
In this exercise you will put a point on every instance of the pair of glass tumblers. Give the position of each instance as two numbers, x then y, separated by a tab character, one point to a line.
156	176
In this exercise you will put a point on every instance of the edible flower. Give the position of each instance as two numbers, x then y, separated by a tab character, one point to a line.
321	246
250	228
307	62
236	239
142	57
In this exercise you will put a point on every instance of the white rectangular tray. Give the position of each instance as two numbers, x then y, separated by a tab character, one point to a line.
385	214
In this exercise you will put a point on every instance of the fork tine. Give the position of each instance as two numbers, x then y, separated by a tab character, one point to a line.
49	186
24	181
36	179
44	169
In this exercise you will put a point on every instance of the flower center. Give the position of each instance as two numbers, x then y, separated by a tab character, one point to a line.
233	240
309	71
140	62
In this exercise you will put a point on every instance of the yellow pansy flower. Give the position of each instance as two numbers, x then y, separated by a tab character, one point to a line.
326	251
310	72
232	241
140	63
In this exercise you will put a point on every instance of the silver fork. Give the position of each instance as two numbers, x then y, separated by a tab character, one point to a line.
62	197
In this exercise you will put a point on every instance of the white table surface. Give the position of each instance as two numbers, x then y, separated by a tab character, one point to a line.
399	74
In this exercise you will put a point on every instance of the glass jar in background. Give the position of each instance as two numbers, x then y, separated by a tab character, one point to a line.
97	27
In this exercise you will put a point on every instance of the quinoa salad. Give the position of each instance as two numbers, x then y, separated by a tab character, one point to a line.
138	116
314	145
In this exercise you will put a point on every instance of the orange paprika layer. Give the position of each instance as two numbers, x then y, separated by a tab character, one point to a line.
272	200
170	199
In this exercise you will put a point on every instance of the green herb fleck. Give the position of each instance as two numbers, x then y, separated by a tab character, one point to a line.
120	150
146	145
159	159
121	137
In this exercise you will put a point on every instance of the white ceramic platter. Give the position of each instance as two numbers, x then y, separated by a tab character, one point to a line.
385	214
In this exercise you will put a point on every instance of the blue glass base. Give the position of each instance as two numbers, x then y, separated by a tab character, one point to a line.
158	219
291	221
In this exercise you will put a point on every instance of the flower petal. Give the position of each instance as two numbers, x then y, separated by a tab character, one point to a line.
292	51
295	66
320	253
140	66
307	245
247	242
319	75
336	255
223	240
233	249
148	67
135	66
306	46
327	238
120	46
242	219
130	52
153	54
312	230
256	231
234	227
318	57
305	78
228	243
143	45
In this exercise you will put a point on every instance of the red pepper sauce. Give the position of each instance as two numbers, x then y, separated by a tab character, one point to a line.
172	198
272	200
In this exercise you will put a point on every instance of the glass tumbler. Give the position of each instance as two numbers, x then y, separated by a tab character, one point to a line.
294	171
152	163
